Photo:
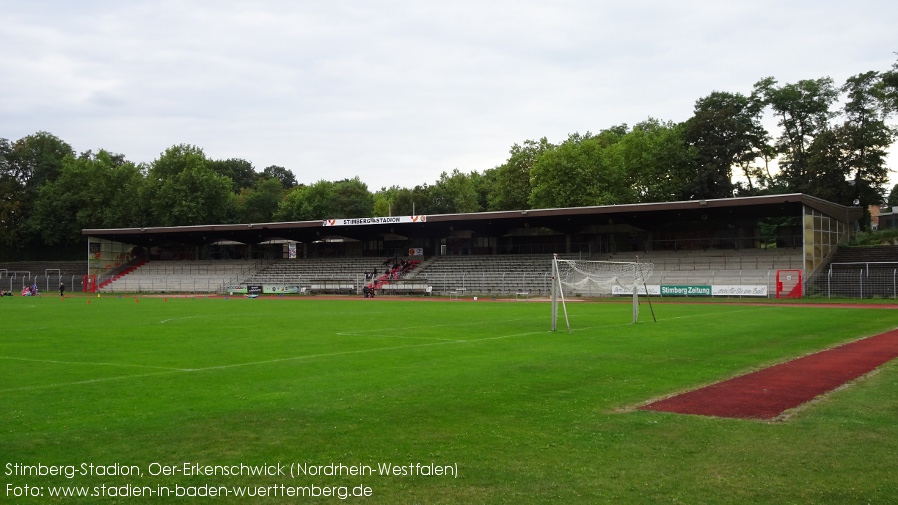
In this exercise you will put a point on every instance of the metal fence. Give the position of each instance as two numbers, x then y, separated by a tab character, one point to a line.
857	280
16	281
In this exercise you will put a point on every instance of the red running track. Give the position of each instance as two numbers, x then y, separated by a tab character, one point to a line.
768	393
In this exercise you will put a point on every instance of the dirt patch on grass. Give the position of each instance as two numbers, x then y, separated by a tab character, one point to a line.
769	393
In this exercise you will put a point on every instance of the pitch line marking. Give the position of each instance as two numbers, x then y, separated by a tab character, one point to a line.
351	334
89	363
405	328
91	381
360	351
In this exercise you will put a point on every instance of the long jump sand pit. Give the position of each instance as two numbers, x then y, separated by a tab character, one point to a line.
767	394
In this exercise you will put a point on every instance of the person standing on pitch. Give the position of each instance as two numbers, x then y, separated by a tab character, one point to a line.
61	290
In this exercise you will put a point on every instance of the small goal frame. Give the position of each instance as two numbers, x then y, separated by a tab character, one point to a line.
628	275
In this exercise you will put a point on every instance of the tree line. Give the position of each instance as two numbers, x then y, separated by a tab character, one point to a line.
830	141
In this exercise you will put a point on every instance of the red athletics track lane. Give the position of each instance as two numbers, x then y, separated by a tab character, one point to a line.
768	393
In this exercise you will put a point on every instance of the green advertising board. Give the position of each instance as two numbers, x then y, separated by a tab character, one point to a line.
686	290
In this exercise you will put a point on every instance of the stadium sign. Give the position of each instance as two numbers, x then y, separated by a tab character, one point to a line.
357	221
267	289
716	290
688	290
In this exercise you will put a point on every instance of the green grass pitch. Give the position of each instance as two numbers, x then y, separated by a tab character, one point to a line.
135	400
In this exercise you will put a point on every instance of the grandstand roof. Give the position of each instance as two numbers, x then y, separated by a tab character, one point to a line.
566	220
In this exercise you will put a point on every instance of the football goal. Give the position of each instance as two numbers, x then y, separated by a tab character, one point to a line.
596	278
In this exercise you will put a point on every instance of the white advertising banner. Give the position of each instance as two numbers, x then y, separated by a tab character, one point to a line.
733	290
360	221
719	290
654	290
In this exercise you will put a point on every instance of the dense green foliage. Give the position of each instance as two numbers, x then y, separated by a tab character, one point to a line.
879	237
49	193
528	416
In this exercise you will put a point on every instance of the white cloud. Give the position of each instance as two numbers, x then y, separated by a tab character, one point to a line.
397	92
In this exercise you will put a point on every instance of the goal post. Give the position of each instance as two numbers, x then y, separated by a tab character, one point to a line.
596	278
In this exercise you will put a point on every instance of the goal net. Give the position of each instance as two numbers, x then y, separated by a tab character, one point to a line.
596	278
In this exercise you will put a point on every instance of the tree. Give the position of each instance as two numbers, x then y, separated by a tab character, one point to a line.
892	201
38	158
383	201
11	217
241	172
725	131
410	201
382	206
484	187
12	195
865	137
512	187
286	177
308	203
91	191
260	203
655	161
576	174
452	194
26	164
803	112
182	190
351	198
888	88
828	173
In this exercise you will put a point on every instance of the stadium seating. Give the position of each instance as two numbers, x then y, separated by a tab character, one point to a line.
485	275
181	276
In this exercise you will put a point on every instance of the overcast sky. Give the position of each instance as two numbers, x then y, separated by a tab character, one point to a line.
397	92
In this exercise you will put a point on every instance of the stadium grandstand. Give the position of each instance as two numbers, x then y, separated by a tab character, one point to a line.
739	243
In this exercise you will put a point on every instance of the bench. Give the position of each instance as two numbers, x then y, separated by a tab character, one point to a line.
406	287
525	294
455	293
